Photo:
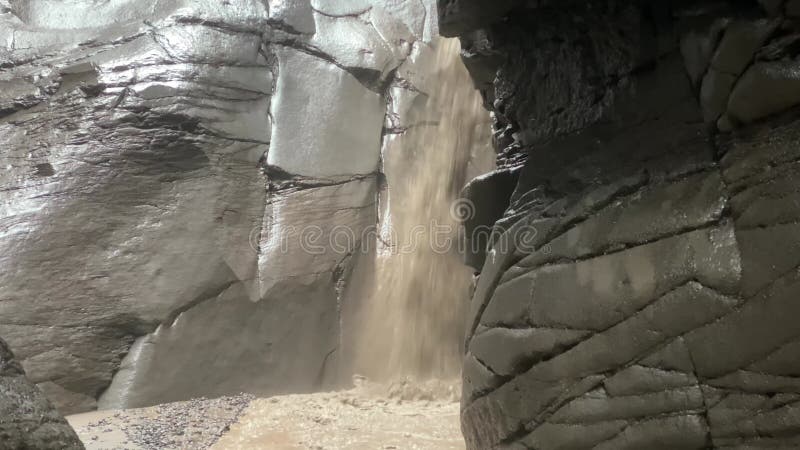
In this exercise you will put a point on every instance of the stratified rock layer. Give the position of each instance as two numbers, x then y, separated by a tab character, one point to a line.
644	292
27	420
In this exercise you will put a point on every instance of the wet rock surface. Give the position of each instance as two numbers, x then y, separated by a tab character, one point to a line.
28	421
160	162
650	308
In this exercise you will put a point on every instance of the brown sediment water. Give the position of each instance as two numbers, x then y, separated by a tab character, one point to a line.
366	417
369	416
411	324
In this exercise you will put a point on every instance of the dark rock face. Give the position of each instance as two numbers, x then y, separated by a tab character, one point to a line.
643	293
27	419
489	196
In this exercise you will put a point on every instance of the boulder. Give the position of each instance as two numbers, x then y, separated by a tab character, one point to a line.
28	421
766	88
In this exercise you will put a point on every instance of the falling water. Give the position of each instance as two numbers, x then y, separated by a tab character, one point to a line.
412	323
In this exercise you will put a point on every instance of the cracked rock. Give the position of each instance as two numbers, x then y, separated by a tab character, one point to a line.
347	140
675	277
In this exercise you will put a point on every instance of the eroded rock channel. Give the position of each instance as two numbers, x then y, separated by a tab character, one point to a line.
206	198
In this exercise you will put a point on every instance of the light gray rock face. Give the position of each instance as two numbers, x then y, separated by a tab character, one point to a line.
643	292
353	119
145	106
160	160
339	214
27	420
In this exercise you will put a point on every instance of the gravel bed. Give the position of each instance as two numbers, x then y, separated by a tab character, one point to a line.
194	424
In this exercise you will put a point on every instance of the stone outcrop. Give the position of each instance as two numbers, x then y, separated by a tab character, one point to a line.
28	421
161	161
642	294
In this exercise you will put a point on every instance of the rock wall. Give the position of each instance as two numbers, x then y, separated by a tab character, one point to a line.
643	290
27	420
162	164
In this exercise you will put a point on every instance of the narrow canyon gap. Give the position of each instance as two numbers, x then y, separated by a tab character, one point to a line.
411	318
173	173
163	164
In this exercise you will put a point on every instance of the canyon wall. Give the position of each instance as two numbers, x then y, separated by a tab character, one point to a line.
172	174
641	288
